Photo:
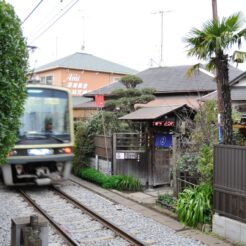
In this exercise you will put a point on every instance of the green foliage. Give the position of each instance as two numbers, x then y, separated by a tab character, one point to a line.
148	91
123	183
239	136
215	38
205	163
129	92
84	145
188	163
13	70
194	205
118	182
198	164
93	175
167	200
102	122
205	130
125	99
131	81
145	98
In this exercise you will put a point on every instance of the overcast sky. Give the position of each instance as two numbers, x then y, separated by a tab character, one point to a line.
127	32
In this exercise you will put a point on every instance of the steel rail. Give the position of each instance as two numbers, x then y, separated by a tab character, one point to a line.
66	236
122	233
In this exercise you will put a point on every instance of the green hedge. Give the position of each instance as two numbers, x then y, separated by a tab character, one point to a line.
118	182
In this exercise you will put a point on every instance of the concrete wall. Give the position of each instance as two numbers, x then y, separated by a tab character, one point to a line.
230	229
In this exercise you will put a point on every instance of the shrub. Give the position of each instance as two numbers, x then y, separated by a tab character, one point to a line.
168	201
194	205
118	182
93	175
13	70
205	163
123	183
188	163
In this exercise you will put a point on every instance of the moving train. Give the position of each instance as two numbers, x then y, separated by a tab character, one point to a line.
43	152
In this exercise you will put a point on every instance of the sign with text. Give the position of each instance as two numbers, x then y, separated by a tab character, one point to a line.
128	155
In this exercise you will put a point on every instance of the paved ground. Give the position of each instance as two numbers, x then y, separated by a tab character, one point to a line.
145	203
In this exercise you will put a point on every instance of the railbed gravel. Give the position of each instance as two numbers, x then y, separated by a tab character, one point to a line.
144	228
13	206
80	226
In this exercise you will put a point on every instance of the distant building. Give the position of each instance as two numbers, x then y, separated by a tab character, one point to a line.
172	85
81	73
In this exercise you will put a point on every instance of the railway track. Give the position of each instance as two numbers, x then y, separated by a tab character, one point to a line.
75	222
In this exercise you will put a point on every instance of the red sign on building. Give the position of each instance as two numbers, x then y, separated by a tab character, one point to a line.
99	99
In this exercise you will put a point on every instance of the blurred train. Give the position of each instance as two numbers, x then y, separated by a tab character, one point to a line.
44	149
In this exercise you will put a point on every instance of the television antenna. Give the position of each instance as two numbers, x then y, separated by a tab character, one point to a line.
162	12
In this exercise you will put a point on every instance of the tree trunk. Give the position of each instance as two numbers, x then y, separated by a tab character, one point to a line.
224	98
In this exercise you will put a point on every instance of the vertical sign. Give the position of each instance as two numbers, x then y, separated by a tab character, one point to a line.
99	99
220	136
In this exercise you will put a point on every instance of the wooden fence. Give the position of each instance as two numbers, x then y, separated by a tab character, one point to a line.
103	146
126	153
230	181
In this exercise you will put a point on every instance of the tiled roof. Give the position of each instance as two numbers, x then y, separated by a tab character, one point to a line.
88	62
151	113
190	100
238	93
87	105
171	80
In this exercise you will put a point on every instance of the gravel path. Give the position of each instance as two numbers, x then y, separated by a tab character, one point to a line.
13	206
146	229
151	232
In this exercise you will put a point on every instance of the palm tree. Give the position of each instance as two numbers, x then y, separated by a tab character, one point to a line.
211	44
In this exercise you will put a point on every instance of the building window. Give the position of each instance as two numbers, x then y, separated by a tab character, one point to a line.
48	80
116	79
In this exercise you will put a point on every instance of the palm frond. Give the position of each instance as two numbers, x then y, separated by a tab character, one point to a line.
193	69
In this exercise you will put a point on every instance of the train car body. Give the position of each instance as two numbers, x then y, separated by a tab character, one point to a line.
43	151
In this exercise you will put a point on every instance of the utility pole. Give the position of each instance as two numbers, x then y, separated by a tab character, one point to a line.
161	12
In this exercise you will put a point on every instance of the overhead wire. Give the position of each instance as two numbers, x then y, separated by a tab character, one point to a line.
31	12
40	25
55	21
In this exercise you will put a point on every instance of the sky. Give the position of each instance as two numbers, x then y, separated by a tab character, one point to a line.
127	32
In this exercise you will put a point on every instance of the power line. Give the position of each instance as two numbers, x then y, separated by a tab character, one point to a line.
40	26
54	22
32	12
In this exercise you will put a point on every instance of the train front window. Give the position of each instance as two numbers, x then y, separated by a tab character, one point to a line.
46	114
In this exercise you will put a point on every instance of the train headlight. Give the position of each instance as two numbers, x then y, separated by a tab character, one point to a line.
40	151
